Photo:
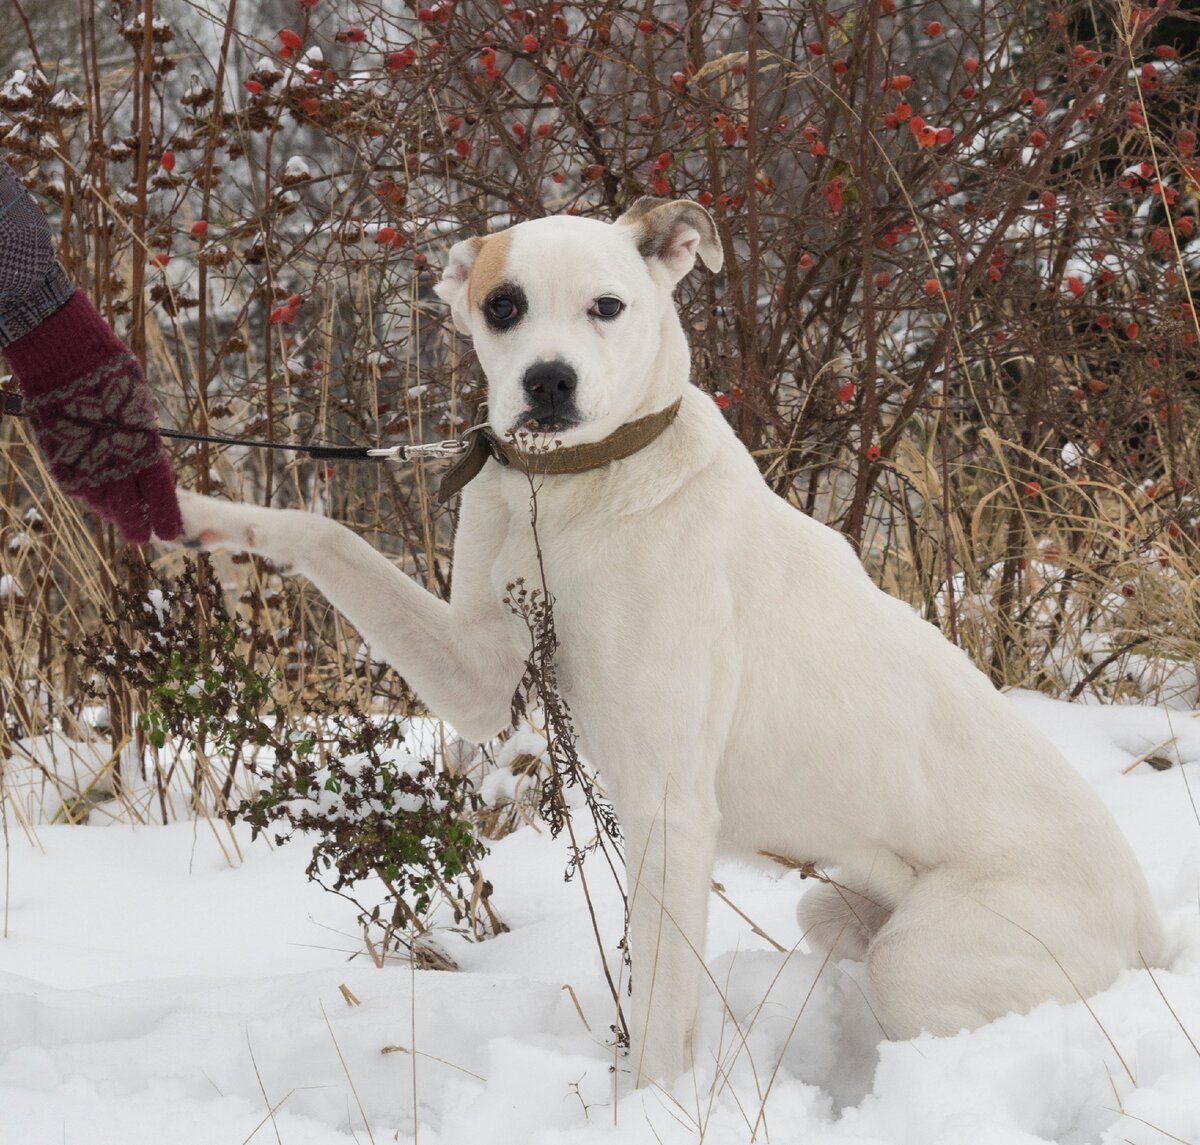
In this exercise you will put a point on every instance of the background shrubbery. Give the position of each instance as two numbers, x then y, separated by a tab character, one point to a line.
957	320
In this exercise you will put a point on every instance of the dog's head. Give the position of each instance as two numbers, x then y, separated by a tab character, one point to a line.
572	317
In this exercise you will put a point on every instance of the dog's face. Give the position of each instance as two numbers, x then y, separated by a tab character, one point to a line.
567	314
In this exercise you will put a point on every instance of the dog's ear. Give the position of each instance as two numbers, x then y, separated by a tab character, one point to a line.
674	233
452	287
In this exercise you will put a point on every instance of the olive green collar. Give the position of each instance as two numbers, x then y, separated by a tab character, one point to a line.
623	442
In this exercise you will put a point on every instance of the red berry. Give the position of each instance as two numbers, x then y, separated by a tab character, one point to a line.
385	234
845	391
529	42
354	35
462	148
882	280
551	92
160	259
932	287
289	39
646	26
721	399
425	15
311	105
1165	52
1037	139
944	135
1038	107
874	453
253	86
543	129
934	28
1032	488
1132	330
971	64
1075	286
199	228
901	83
816	48
167	162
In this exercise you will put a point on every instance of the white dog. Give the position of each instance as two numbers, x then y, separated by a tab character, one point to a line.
734	675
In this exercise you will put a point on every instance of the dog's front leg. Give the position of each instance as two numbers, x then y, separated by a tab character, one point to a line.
458	655
669	851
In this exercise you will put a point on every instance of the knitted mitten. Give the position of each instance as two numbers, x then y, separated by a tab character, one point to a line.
84	393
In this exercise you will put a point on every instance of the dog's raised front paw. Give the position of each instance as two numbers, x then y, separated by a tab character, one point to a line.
212	524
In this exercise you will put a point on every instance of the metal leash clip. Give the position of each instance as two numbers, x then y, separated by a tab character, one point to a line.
432	449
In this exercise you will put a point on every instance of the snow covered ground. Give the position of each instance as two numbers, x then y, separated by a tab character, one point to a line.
151	991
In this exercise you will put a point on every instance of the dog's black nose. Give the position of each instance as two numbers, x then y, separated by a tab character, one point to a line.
550	385
550	390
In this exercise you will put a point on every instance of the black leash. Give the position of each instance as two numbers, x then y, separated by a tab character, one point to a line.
11	405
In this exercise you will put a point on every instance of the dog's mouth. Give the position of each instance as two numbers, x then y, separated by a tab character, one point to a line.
544	423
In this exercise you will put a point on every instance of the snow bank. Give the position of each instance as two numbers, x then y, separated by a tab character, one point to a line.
155	987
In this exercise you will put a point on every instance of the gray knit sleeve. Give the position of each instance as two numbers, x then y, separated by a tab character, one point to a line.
32	284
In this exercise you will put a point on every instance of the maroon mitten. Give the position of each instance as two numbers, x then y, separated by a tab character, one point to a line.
93	416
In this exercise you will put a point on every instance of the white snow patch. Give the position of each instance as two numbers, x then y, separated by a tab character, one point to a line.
148	987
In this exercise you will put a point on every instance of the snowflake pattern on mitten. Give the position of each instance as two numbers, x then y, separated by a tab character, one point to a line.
98	429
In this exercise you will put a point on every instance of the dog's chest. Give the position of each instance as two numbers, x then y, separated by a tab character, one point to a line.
572	581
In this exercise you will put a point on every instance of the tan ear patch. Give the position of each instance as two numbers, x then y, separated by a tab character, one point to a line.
489	267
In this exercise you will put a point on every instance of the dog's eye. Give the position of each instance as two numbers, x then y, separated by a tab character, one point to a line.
501	309
607	307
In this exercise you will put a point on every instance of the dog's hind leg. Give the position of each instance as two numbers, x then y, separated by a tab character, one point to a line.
839	921
960	951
